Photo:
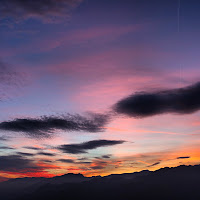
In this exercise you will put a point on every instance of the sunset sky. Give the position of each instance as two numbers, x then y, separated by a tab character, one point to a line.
92	86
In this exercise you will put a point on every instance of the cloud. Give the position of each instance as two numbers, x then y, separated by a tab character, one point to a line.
97	167
82	147
46	10
46	126
154	164
21	165
3	138
25	154
66	160
46	161
84	162
183	157
4	147
32	148
10	80
45	154
15	163
74	162
9	76
143	104
106	156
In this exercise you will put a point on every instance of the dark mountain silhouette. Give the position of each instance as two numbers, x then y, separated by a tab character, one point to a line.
180	182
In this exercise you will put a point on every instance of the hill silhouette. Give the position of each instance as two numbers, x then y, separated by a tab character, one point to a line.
180	182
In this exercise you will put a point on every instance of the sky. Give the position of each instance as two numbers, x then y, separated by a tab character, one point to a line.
98	87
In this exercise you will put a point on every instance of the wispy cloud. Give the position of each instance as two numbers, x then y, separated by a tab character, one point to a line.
46	126
83	147
4	138
10	80
32	148
5	147
46	154
154	164
25	154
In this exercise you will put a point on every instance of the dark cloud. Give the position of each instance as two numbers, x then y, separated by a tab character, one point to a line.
183	157
143	104
97	167
45	126
25	154
47	161
100	162
5	147
154	164
106	156
31	148
47	10
15	163
74	162
84	162
82	147
45	154
84	158
23	165
66	160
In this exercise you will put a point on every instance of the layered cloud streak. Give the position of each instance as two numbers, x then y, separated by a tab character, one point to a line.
143	104
83	147
46	126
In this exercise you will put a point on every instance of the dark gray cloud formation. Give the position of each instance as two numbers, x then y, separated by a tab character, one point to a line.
97	167
154	164
46	126
15	163
46	161
5	147
70	161
106	156
66	160
47	10
31	148
25	154
183	157
143	104
83	147
46	154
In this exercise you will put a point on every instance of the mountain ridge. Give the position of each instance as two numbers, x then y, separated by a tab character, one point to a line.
179	182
